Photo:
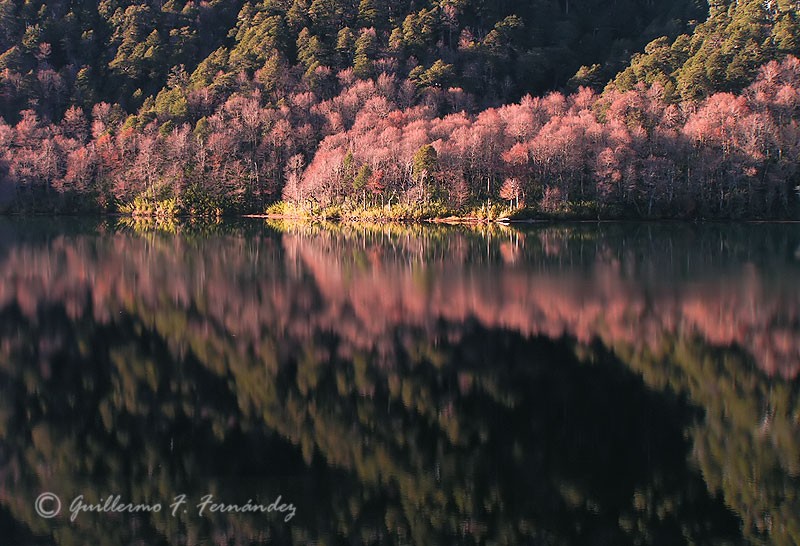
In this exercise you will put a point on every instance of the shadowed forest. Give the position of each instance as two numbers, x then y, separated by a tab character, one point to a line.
645	397
376	110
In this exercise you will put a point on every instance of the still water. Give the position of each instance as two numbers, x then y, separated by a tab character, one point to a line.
255	383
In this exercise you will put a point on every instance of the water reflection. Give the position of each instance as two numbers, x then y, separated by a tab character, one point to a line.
402	385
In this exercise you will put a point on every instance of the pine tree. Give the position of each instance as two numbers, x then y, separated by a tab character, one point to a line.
372	13
366	46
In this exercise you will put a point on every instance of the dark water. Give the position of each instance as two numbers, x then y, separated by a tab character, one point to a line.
613	384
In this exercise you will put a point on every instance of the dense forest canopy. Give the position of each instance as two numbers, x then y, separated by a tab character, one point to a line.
209	107
63	53
722	54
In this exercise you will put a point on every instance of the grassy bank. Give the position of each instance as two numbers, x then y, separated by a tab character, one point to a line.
437	212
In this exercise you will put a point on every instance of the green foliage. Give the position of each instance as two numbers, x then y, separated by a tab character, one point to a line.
353	211
171	104
297	16
587	76
348	166
345	44
424	162
488	212
440	74
290	209
722	54
786	33
362	178
11	58
197	201
398	212
310	49
124	51
418	31
272	74
147	206
366	47
206	72
202	129
372	13
85	92
166	128
257	39
505	36
327	16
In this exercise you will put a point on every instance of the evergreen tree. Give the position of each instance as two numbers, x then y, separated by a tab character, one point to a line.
365	51
372	13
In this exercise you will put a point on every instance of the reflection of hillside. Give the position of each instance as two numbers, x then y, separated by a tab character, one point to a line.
368	347
364	285
587	291
420	457
748	444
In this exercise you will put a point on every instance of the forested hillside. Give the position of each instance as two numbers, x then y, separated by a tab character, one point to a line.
722	54
402	109
60	53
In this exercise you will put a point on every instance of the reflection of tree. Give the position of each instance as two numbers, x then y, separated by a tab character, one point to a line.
97	415
419	445
748	444
399	376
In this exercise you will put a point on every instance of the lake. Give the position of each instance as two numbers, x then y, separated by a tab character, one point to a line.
256	382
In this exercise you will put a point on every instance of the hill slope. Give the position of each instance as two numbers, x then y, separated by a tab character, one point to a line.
203	108
722	54
58	53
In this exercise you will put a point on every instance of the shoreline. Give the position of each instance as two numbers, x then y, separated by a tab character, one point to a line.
447	220
512	221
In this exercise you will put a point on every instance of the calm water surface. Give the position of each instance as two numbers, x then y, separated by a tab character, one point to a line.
609	385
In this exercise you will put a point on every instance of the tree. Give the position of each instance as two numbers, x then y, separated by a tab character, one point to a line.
419	30
587	76
310	50
365	50
327	16
345	43
510	191
424	163
75	125
440	74
297	16
81	164
376	184
372	13
293	173
361	180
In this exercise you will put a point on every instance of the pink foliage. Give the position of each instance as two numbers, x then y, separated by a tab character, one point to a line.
727	155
